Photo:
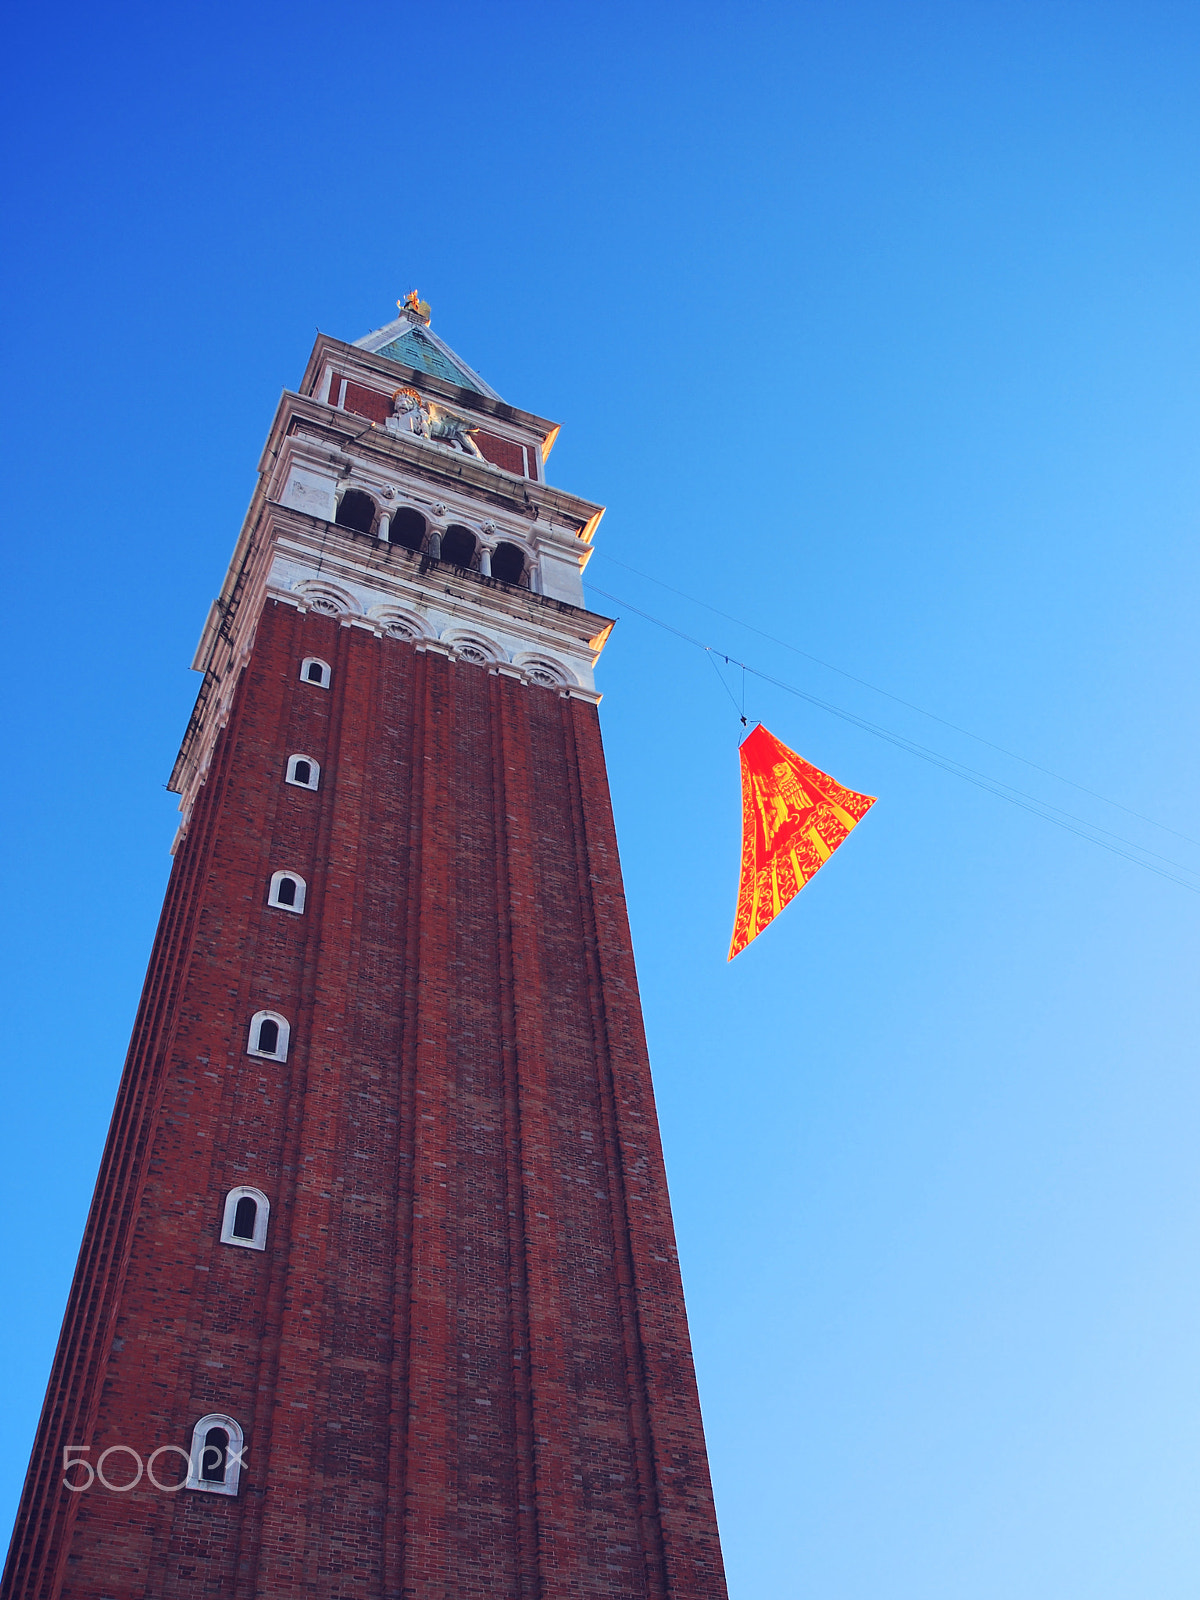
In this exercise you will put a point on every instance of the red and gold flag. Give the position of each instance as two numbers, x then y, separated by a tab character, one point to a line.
794	816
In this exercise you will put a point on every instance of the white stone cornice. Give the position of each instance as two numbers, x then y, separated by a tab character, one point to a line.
351	437
362	576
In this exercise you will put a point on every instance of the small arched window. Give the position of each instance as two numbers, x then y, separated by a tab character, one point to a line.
508	563
314	670
407	528
269	1036
245	1218
215	1459
304	772
458	545
356	510
287	891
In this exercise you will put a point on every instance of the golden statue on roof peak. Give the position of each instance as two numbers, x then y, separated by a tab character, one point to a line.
413	306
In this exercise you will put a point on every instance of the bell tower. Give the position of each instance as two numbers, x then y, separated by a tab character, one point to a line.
378	1294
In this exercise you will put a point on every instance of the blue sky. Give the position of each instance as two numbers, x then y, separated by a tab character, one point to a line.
875	327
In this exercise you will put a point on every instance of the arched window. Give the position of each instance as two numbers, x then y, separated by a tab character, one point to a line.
458	545
508	563
356	510
245	1218
287	891
314	670
408	528
304	772
215	1459
269	1036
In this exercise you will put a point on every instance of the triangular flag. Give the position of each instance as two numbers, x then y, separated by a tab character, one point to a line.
794	816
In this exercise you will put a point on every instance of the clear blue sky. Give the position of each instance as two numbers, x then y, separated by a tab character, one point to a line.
874	325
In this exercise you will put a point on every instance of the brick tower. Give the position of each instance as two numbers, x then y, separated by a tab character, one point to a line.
378	1296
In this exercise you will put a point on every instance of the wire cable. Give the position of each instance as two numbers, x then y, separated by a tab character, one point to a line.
1083	829
733	698
899	700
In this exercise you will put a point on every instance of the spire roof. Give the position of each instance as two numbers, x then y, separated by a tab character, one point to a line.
412	342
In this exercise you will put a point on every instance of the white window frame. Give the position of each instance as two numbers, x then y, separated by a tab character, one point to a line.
233	1459
261	1219
273	891
326	672
314	766
280	1052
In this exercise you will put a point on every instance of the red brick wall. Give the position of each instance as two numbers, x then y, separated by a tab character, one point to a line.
367	402
462	1363
501	452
